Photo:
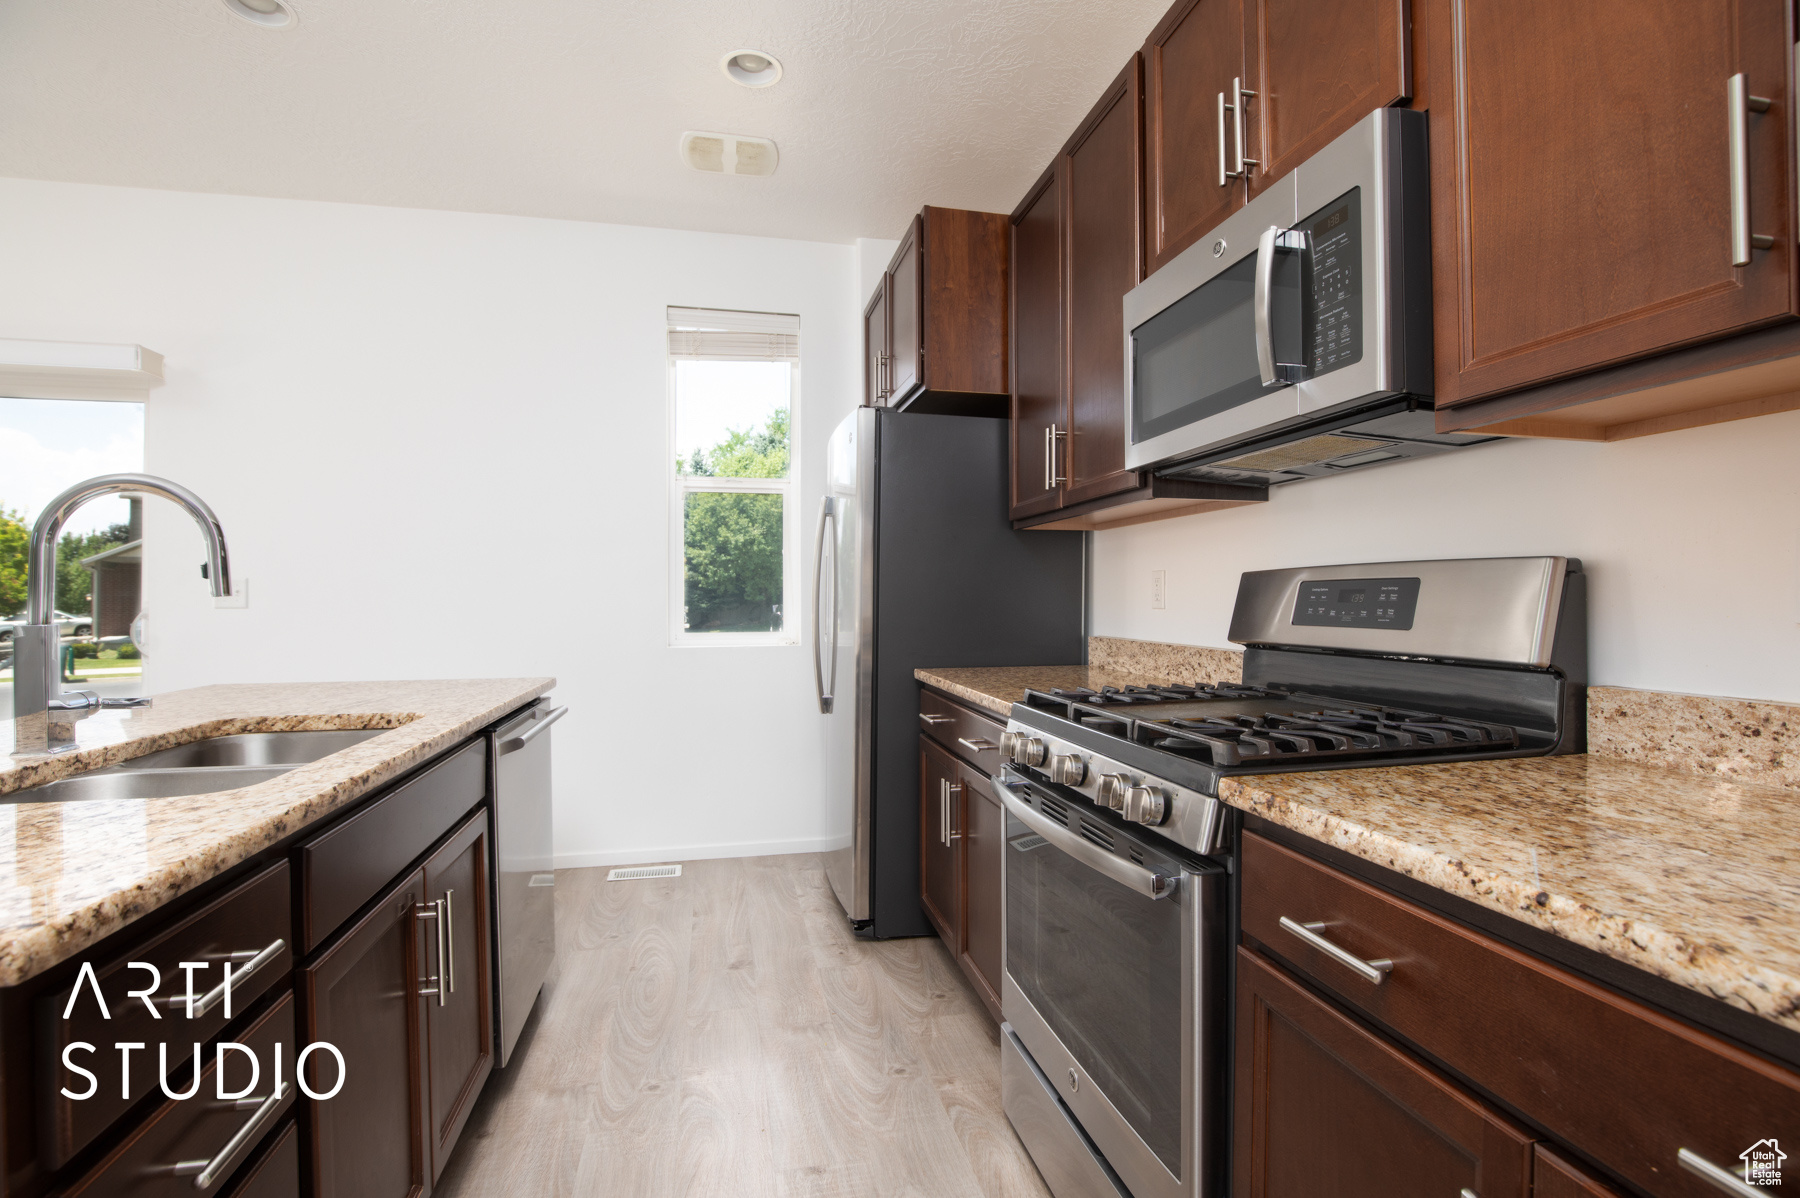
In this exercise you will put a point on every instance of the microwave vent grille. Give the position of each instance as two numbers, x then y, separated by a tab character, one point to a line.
1309	452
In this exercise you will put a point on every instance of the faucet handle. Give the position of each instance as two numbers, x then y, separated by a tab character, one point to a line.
126	702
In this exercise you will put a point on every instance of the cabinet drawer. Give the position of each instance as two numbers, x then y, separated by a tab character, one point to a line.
974	738
354	861
275	1173
247	925
208	1138
1622	1084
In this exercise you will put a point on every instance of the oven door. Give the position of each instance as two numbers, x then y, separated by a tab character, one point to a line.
1114	945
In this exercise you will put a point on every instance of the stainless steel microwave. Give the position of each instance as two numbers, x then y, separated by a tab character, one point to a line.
1254	353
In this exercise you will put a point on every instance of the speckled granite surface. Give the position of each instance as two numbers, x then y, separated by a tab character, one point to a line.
1162	662
72	873
1696	880
1740	739
997	688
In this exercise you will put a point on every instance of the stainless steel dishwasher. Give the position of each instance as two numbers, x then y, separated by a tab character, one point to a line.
524	859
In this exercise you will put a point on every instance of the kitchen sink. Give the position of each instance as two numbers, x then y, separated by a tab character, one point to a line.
287	749
145	784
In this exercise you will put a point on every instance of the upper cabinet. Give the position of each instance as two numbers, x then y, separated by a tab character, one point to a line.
935	330
1610	180
1077	249
1240	92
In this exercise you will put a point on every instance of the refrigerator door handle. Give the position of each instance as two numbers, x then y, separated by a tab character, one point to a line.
827	516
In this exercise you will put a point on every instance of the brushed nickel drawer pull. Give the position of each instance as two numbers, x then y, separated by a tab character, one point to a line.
1741	104
434	911
932	721
951	791
449	957
1720	1179
1370	971
212	998
1468	1193
980	744
205	1173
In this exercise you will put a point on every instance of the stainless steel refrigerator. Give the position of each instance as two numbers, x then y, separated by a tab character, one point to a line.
916	564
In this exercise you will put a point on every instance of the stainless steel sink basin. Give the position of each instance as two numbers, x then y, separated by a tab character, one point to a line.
145	784
252	748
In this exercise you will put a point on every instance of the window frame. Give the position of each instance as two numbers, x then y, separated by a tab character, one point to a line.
681	485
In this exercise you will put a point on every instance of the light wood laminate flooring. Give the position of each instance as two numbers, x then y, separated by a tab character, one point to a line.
724	1033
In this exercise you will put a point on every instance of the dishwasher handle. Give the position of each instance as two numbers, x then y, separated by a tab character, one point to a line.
519	742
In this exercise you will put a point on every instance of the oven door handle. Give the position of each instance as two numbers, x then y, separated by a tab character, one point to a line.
1146	882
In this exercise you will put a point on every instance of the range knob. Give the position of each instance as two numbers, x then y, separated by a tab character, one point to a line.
1069	769
1025	750
1112	791
1145	805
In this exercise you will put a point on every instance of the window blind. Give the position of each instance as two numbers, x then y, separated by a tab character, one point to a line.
733	336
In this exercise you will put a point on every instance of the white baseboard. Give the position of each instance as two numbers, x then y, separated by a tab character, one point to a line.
697	852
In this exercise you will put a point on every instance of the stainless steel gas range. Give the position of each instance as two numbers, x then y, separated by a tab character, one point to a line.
1116	872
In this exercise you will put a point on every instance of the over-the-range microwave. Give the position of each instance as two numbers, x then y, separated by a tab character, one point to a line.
1294	340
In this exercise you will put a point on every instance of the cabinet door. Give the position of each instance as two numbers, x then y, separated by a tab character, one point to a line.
1553	1177
1582	181
906	316
1190	61
1104	241
1318	67
940	875
1037	346
983	824
1325	1107
875	347
459	1023
362	995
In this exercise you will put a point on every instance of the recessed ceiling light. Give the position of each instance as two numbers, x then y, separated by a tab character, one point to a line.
270	14
752	68
729	153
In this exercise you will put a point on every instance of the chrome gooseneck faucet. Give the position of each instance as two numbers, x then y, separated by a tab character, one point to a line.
44	716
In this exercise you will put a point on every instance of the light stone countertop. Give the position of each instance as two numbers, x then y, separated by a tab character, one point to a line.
72	873
1694	879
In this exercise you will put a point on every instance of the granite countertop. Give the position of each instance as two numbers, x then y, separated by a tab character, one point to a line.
997	688
72	873
1693	879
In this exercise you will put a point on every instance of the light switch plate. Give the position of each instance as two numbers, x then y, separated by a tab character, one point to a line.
1159	588
239	597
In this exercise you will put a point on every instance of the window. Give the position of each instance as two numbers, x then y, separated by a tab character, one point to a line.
734	382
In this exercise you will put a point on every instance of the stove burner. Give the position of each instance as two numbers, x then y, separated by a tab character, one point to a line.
1321	735
1134	696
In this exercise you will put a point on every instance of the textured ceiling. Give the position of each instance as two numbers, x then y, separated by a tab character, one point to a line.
563	108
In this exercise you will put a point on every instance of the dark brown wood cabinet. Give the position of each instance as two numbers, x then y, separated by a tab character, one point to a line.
1192	62
962	826
459	1022
1038	398
1324	1106
937	325
1554	1177
364	994
1588	147
1316	67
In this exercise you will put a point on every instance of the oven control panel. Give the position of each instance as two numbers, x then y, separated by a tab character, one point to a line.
1185	816
1358	603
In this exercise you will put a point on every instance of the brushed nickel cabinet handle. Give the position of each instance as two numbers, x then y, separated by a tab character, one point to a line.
1741	104
1370	971
206	1172
449	955
434	911
1719	1178
932	721
1226	174
206	1002
951	789
1241	95
980	744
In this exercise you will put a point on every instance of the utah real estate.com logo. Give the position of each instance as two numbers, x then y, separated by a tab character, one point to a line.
1762	1163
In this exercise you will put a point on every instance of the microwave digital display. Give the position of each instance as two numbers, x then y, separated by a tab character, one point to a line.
1358	603
1334	308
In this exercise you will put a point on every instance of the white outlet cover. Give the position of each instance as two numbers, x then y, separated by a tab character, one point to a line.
1159	588
239	597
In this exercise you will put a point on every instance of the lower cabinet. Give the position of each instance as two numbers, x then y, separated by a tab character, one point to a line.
1553	1177
1326	1107
961	830
406	995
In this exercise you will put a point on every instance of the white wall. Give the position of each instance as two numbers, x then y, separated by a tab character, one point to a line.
1692	541
437	442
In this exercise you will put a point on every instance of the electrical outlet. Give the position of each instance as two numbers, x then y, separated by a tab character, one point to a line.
1159	588
239	597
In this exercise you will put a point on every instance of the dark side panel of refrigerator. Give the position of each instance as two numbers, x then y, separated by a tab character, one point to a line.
955	585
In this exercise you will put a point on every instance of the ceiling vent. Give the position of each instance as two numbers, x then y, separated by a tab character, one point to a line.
729	153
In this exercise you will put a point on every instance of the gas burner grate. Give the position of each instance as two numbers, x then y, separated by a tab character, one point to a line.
1063	700
1326	734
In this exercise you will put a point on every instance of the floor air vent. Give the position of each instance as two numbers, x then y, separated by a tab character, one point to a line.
635	872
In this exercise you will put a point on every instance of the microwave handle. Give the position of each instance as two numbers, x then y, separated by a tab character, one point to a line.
1273	240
